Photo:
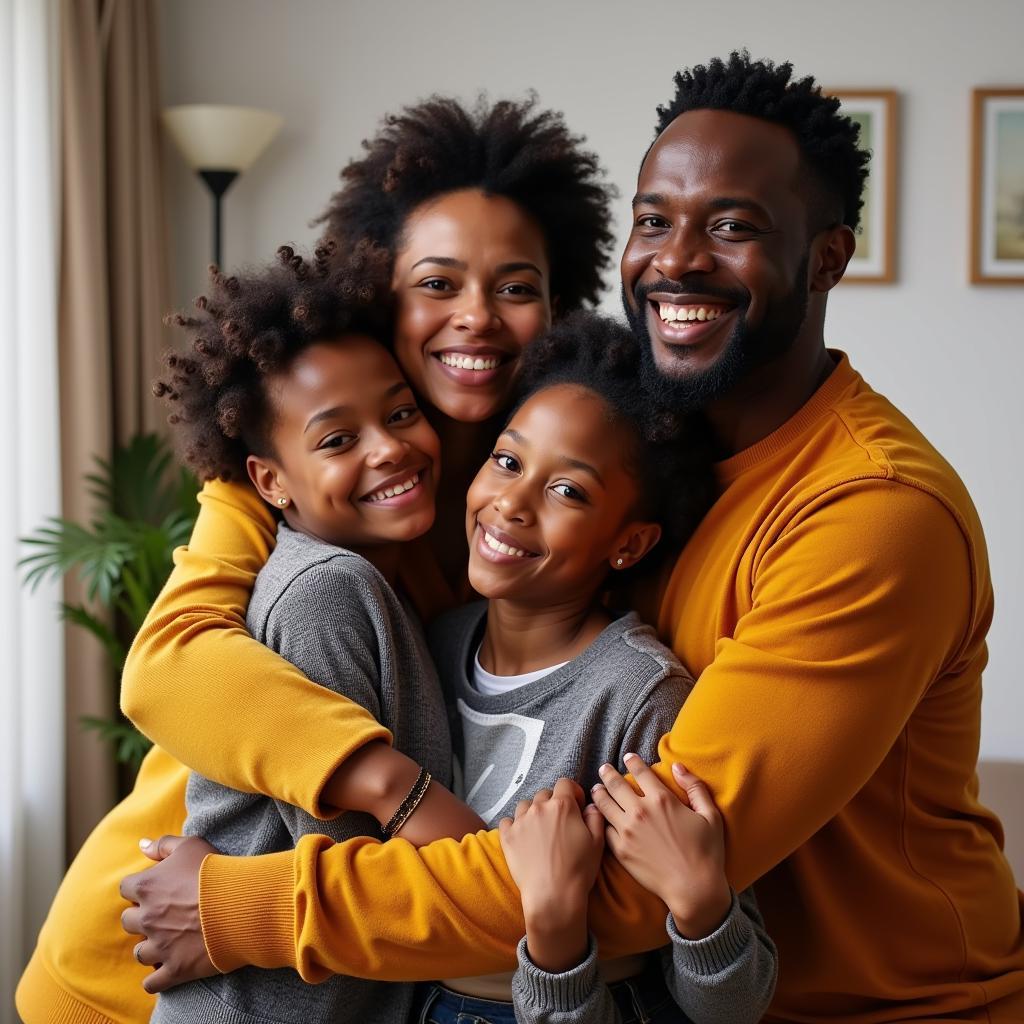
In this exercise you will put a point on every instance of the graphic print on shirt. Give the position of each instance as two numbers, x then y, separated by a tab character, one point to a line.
498	753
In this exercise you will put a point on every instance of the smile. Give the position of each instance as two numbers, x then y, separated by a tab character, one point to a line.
393	491
462	362
671	312
496	541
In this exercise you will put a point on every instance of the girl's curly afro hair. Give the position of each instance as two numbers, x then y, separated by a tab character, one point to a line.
247	329
508	149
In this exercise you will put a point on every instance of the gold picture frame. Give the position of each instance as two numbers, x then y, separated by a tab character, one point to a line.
877	113
997	186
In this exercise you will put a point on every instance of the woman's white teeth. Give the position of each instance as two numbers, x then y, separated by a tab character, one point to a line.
390	492
672	313
496	545
468	362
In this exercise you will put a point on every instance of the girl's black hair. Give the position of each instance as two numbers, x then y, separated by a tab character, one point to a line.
508	149
248	328
671	459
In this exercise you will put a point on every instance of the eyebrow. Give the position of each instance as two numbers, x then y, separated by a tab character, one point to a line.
719	203
340	410
565	460
504	268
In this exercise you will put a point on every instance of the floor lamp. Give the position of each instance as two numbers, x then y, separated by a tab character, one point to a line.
219	143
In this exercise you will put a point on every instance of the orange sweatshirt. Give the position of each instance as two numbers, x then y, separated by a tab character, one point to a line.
834	605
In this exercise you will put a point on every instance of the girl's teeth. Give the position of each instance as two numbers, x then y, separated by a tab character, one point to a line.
497	545
468	362
390	492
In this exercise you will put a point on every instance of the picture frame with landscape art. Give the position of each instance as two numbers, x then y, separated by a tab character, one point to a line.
997	188
876	111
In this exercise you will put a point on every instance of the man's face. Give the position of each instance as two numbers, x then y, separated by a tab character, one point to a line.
714	273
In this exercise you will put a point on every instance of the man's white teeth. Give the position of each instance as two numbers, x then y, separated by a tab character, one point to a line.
390	492
468	362
672	313
496	545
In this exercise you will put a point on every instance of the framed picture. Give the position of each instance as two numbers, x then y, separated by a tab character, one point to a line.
876	111
997	200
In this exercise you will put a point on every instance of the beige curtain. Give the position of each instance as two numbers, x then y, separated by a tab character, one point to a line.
113	294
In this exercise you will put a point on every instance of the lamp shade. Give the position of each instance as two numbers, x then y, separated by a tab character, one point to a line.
221	138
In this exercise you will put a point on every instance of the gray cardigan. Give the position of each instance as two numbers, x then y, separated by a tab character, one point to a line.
332	615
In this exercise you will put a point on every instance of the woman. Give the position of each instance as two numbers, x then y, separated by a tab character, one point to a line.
494	219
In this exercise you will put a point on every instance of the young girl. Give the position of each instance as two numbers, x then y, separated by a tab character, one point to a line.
489	218
581	484
287	383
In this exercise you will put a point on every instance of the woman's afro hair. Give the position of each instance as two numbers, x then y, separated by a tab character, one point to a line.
508	149
671	459
248	328
828	141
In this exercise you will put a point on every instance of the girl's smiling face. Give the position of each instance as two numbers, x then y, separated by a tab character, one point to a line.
554	507
354	459
471	285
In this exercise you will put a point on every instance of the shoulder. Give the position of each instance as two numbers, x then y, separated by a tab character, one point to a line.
305	576
451	628
630	650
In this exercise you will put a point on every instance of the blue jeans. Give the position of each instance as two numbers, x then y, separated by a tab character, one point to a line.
641	1000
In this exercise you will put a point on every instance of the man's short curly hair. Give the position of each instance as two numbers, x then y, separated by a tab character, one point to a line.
508	149
828	141
249	328
671	458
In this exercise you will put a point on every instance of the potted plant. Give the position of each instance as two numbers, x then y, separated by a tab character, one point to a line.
145	508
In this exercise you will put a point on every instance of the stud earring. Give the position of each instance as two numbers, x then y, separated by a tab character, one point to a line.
283	502
618	562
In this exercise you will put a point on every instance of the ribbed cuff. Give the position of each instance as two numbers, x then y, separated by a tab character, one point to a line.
717	951
246	906
564	992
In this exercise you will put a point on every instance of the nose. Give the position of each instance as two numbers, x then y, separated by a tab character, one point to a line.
685	250
475	313
385	447
513	504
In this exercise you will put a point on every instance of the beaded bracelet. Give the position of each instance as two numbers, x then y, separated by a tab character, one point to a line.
408	805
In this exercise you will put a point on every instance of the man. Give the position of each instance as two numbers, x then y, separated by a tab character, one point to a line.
833	605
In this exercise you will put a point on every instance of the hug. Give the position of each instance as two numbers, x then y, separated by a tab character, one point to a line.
468	553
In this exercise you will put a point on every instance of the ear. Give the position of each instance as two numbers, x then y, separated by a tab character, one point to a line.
634	542
267	479
831	251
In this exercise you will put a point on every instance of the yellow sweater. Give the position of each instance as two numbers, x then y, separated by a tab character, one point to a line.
834	605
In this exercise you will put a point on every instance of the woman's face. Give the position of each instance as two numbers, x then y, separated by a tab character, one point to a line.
472	288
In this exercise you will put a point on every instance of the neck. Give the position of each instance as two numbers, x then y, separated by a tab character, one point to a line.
520	637
769	396
383	557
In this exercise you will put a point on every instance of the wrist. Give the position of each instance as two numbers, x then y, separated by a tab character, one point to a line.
557	940
375	779
698	918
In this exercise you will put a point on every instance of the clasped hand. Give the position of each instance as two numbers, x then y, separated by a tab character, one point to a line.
165	912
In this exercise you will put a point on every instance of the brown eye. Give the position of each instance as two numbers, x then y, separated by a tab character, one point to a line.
509	463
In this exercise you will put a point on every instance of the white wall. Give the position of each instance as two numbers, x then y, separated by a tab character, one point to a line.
950	355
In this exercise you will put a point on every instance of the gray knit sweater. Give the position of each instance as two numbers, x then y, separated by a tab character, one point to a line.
620	695
332	615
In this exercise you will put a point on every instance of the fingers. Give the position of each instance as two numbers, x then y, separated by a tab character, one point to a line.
612	813
160	980
621	791
648	782
697	794
569	790
145	954
131	921
594	820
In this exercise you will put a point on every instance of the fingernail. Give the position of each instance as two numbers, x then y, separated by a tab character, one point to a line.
595	788
679	769
604	769
629	755
145	844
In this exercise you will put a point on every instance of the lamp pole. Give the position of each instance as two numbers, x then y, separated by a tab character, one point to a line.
218	182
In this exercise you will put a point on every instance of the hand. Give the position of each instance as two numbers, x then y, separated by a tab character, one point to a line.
553	852
166	912
676	852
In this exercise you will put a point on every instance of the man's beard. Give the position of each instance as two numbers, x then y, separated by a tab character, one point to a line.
747	348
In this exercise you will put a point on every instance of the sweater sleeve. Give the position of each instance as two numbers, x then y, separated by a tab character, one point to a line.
193	651
824	670
576	996
728	977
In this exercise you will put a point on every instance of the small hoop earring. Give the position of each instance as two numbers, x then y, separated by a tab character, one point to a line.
618	562
283	502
